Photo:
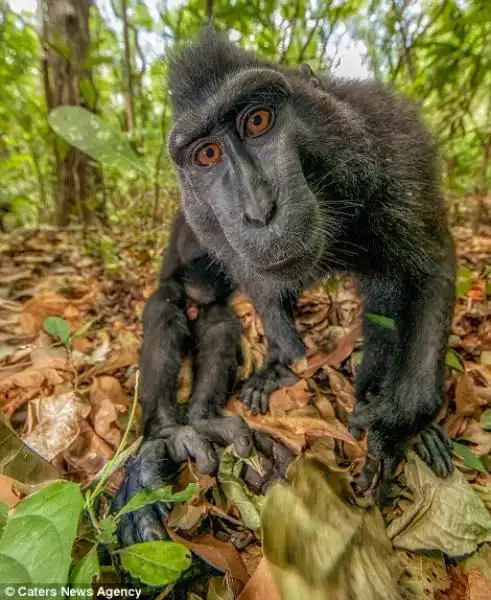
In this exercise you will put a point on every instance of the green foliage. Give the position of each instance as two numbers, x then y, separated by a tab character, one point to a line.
486	420
89	133
381	320
86	570
437	52
155	563
453	361
470	459
37	540
58	328
165	494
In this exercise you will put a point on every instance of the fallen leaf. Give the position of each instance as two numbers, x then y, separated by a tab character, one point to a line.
445	515
221	555
7	493
54	423
424	574
480	440
248	504
466	401
287	398
261	586
108	402
88	453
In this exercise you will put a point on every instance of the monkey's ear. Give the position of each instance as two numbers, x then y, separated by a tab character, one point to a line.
307	71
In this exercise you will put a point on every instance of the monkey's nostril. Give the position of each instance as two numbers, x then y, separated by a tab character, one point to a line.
261	220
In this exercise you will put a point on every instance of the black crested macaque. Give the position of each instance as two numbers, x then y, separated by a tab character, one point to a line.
285	182
213	339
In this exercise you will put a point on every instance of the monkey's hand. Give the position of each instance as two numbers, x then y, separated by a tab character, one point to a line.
435	448
386	446
256	390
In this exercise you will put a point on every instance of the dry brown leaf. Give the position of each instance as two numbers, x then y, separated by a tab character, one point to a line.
88	453
283	427
261	586
342	388
108	402
125	357
288	398
480	439
479	585
53	423
7	493
458	588
222	555
466	401
35	311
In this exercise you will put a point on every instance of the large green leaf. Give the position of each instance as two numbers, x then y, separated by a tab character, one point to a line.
156	563
89	133
37	541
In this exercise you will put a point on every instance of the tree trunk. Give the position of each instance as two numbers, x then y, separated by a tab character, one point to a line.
66	43
129	99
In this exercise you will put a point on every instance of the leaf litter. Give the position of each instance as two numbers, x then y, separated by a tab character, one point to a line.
65	389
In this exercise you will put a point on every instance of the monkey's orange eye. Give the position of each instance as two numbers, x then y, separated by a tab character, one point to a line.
259	122
208	155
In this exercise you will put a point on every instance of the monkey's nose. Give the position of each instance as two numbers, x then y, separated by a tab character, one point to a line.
261	218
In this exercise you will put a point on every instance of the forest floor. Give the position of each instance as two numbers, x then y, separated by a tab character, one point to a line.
70	402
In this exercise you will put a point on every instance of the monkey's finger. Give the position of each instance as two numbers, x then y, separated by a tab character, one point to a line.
440	459
226	431
148	525
422	450
186	444
126	531
442	435
278	452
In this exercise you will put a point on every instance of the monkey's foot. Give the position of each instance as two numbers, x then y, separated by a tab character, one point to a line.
151	468
267	379
435	448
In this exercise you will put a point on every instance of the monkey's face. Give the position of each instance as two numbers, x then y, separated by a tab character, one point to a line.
238	159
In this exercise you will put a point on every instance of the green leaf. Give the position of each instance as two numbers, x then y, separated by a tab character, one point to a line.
387	322
58	328
164	494
156	563
486	420
89	133
248	504
4	510
452	360
37	540
108	528
88	91
445	514
465	280
86	569
470	459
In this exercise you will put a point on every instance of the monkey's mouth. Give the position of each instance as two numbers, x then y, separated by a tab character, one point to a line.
299	265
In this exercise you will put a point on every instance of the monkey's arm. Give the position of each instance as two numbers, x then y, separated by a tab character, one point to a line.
284	347
411	390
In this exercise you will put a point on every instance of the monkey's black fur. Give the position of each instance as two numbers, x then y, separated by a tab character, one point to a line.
168	335
345	180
